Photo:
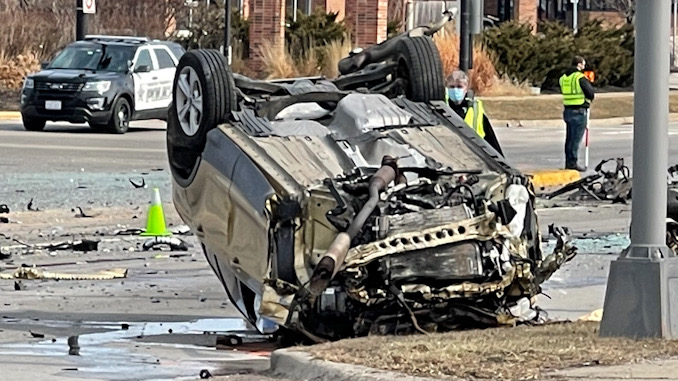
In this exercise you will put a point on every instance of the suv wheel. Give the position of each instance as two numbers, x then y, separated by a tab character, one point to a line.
203	96
420	65
33	124
122	114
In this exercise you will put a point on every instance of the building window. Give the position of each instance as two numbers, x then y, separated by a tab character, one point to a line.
304	6
598	5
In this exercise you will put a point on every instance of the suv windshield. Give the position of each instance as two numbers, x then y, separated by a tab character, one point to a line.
97	57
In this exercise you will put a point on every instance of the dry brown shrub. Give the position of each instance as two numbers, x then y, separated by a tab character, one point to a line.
334	52
281	63
505	87
278	63
483	76
14	70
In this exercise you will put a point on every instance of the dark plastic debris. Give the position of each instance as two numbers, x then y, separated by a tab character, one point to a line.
174	243
205	374
4	209
73	346
85	245
142	184
31	208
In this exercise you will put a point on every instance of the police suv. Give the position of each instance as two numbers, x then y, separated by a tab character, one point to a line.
106	81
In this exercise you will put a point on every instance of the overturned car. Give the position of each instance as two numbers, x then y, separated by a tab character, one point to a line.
363	204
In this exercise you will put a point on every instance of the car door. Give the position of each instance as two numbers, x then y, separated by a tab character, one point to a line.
167	65
144	72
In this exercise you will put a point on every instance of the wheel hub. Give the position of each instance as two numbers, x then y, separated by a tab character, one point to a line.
188	101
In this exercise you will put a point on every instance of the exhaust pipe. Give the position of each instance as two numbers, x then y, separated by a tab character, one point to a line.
331	261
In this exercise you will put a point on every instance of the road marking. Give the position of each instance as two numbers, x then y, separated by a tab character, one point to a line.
78	148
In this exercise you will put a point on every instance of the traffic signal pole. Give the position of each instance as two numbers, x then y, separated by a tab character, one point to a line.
641	300
80	21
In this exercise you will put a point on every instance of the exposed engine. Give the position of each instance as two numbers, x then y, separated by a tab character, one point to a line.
445	250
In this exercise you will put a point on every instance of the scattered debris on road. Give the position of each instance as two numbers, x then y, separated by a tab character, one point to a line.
86	245
37	335
606	184
181	230
4	209
130	231
82	214
157	243
32	273
73	346
30	207
142	184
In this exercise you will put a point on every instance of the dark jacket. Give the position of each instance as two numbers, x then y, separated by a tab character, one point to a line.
586	87
490	137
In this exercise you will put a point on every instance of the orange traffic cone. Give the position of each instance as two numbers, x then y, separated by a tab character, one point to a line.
155	225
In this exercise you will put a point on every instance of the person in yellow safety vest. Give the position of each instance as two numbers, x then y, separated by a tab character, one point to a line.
470	109
577	93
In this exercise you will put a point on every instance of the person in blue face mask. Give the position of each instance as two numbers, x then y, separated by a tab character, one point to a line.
470	109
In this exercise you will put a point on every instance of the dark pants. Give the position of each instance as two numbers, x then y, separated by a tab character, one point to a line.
575	119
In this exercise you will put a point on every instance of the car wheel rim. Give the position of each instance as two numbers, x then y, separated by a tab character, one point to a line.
189	101
123	117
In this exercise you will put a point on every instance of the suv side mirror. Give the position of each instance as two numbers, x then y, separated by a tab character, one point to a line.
142	69
44	65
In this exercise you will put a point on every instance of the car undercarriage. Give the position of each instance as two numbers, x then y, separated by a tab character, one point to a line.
359	205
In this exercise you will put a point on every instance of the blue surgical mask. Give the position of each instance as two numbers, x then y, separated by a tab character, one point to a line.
456	94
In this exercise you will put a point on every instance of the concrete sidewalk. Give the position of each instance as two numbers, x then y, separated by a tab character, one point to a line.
652	370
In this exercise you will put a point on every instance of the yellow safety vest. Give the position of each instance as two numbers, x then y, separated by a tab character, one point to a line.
573	95
474	115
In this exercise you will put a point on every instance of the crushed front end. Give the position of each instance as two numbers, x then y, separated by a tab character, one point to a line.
446	250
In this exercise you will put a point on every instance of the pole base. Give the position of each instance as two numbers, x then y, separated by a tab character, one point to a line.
641	300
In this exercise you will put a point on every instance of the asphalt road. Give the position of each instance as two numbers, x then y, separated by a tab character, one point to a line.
542	147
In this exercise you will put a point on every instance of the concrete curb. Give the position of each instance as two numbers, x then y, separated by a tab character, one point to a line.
300	366
559	123
10	115
553	177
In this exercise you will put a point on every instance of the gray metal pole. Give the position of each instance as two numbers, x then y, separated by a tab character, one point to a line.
675	25
650	130
638	300
575	15
228	51
410	14
464	37
80	21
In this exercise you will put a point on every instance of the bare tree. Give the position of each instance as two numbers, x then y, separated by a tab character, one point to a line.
626	7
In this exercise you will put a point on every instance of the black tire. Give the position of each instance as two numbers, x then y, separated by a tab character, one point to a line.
419	63
33	124
217	90
122	115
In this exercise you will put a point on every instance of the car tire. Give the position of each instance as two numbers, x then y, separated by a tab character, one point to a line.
33	124
203	96
419	63
122	114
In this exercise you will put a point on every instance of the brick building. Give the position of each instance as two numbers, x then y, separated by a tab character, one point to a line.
555	10
367	19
